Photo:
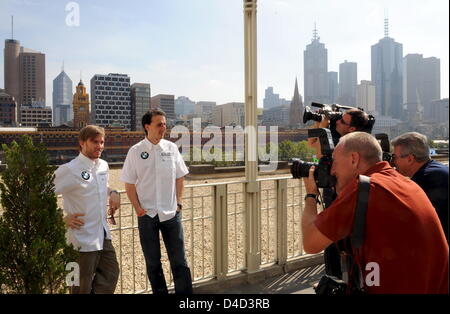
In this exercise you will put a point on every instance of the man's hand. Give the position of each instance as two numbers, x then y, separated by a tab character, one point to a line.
72	221
114	203
310	182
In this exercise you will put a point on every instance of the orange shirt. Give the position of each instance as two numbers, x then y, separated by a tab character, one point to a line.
403	233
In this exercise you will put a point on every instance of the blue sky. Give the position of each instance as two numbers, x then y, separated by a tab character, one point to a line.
195	48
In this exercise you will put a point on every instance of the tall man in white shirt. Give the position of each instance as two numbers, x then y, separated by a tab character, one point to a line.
153	173
83	183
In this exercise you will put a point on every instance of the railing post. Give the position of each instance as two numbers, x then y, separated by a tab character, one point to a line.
282	221
252	195
220	231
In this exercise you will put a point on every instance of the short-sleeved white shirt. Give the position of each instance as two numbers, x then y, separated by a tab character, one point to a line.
153	169
83	184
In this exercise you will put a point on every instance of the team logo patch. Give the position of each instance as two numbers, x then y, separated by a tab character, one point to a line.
85	175
144	155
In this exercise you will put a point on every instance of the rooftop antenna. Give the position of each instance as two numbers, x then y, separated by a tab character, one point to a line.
315	37
12	26
62	69
386	24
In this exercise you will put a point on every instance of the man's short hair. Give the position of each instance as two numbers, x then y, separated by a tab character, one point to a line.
147	117
363	143
91	132
359	119
413	143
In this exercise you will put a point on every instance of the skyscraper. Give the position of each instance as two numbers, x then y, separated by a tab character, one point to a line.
421	85
348	80
365	96
166	103
333	87
111	100
140	104
315	59
62	99
387	75
183	106
24	71
296	108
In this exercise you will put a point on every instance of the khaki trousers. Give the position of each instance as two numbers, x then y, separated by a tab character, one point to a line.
99	271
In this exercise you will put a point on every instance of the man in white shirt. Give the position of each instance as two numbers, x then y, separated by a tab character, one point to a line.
83	183
153	173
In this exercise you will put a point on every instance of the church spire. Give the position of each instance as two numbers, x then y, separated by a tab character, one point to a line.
296	108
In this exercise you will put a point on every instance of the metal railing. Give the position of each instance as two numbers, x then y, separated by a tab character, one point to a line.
213	219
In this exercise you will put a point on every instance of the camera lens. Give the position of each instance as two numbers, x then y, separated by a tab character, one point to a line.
300	169
309	115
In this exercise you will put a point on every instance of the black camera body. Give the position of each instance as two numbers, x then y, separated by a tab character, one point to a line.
383	139
322	173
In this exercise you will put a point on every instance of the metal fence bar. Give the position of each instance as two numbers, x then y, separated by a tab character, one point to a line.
282	221
220	231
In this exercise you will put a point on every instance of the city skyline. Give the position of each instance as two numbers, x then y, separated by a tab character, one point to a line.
195	49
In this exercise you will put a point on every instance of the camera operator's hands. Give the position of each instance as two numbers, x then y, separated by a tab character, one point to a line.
310	182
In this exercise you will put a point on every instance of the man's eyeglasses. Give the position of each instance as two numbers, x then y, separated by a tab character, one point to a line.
394	156
343	122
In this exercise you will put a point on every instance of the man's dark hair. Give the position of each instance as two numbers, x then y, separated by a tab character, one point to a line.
360	119
147	117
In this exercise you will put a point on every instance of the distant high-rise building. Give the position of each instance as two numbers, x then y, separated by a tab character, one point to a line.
204	110
229	114
387	75
278	116
296	108
439	111
166	103
8	109
272	100
365	96
80	104
24	74
62	99
348	80
140	104
421	85
11	67
184	106
333	87
111	100
315	59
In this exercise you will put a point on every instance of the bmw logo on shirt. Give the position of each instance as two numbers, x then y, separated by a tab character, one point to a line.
85	175
144	155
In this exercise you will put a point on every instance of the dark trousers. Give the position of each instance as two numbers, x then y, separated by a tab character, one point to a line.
172	233
99	271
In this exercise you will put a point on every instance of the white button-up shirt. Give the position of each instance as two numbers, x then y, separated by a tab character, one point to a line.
83	184
154	169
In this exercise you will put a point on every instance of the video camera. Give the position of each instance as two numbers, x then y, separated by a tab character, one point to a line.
322	173
333	114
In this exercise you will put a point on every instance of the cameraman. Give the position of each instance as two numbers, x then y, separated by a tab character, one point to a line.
403	236
352	120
